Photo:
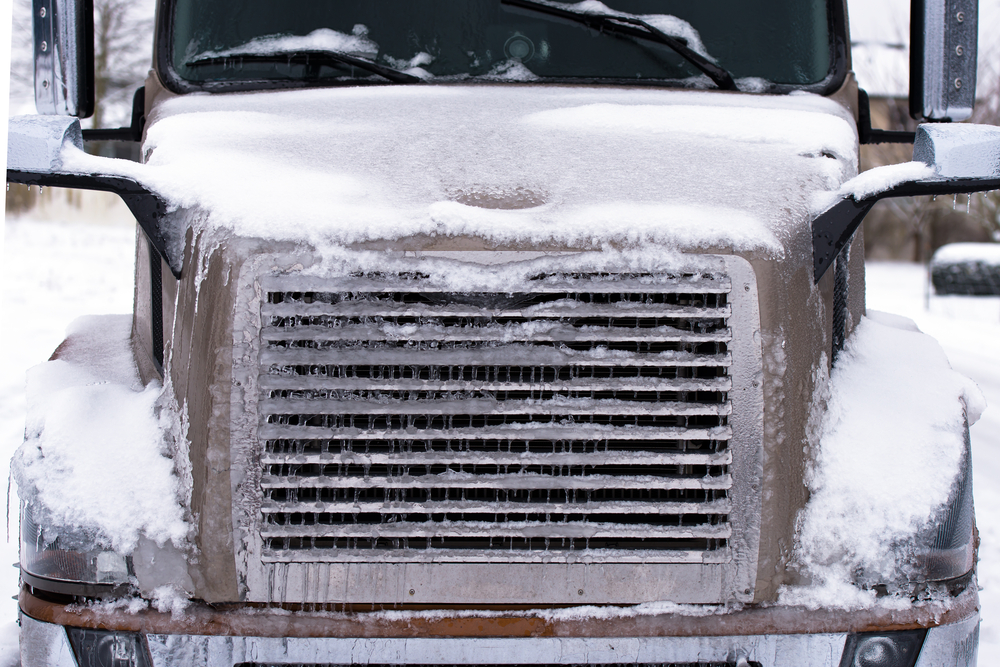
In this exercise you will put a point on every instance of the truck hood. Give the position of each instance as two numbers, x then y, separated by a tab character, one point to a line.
513	165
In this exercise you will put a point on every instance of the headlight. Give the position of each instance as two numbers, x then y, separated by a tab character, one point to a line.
68	564
883	649
946	549
103	648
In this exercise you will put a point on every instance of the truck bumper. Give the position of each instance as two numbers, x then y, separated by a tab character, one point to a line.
953	642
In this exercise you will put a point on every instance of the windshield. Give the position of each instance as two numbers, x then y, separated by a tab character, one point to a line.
263	43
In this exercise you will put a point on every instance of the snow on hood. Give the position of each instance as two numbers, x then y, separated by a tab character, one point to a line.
511	164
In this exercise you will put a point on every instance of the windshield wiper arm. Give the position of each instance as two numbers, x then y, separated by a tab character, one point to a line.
311	56
623	24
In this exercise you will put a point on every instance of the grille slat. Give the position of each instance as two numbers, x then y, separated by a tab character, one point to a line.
283	360
486	458
565	431
580	285
355	550
616	384
483	481
557	309
297	336
586	413
487	529
632	507
304	409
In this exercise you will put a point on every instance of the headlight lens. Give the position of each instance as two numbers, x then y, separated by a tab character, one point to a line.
946	550
68	564
103	648
883	649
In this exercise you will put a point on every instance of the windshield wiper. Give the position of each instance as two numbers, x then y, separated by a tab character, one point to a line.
623	24
310	57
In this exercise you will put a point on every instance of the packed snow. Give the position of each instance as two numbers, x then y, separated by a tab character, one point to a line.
94	441
323	39
238	161
965	253
880	179
872	182
888	452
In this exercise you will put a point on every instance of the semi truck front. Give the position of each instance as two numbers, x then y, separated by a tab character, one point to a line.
505	332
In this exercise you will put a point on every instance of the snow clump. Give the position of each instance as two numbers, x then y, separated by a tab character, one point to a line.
322	39
888	451
93	458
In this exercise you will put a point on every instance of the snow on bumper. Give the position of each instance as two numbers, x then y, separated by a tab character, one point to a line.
771	636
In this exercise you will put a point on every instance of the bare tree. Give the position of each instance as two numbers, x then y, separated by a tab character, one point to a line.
123	44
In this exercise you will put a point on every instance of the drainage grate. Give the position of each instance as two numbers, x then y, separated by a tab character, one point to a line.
587	416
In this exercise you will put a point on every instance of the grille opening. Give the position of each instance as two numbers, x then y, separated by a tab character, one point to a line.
494	543
297	446
492	373
554	496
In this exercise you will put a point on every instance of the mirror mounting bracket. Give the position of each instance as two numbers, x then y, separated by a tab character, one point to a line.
147	208
131	133
867	135
965	159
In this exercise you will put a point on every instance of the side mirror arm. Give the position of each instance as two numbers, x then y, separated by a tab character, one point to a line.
147	208
36	150
835	227
131	133
965	159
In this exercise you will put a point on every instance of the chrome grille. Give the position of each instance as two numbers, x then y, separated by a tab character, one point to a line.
586	415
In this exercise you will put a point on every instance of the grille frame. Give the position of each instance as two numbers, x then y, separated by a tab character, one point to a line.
500	576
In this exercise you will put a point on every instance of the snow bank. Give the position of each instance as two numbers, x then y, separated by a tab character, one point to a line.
965	253
889	449
692	170
93	455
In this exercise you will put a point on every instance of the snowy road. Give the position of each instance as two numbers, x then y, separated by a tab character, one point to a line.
53	273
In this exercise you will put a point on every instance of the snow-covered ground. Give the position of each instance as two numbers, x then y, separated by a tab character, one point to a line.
55	272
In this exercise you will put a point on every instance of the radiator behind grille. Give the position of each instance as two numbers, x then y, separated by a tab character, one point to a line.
585	417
